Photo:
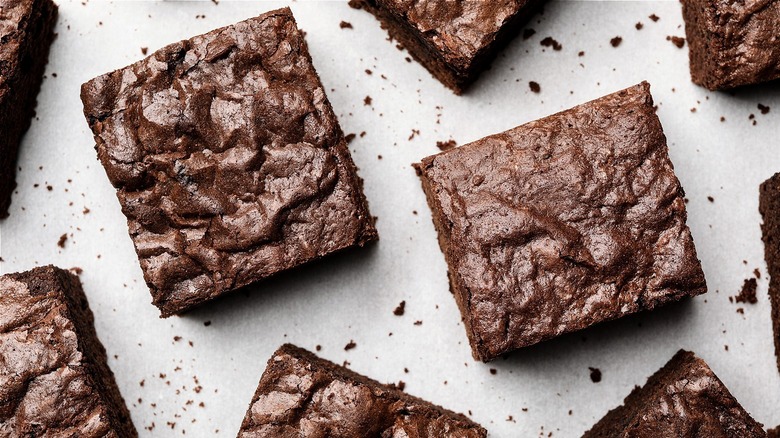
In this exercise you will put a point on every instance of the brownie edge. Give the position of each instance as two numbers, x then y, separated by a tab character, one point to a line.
769	207
26	32
301	394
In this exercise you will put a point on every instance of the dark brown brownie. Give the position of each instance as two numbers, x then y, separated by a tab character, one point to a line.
303	395
732	42
228	160
683	399
54	379
454	40
26	32
773	433
769	206
562	223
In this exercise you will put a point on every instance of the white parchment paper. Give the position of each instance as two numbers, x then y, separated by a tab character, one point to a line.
167	367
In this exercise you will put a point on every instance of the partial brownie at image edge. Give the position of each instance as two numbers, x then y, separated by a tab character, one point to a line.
773	433
26	33
228	160
57	379
454	42
732	44
769	207
301	394
703	406
537	246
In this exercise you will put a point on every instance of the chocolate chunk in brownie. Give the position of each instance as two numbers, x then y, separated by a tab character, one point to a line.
732	43
303	395
228	160
683	399
26	32
769	206
54	379
562	223
454	40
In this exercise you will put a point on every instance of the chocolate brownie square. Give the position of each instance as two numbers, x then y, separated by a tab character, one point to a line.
769	206
26	32
454	40
732	43
302	395
54	379
228	160
683	399
562	223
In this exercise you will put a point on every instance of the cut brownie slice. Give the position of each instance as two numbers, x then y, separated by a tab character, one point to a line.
454	40
562	223
773	433
732	43
303	395
54	379
769	206
228	160
26	32
683	399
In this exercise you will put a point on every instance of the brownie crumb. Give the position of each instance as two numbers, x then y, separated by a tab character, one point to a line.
415	132
446	145
677	41
63	239
399	310
349	137
581	54
710	198
350	345
763	108
206	323
401	385
367	101
595	374
654	17
616	41
493	371
639	25
757	273
345	25
418	323
535	87
144	50
528	33
550	42
748	292
318	347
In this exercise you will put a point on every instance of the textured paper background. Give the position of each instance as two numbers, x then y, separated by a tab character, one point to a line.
351	297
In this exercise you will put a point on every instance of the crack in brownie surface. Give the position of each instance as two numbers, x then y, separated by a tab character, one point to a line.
562	223
228	159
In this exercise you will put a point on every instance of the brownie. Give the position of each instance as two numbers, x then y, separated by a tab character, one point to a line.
561	223
732	43
683	399
454	40
769	206
54	379
228	160
773	433
303	395
26	32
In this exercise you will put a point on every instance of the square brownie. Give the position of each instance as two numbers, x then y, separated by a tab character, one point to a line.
26	32
54	379
228	160
683	399
303	395
454	40
732	43
769	207
562	223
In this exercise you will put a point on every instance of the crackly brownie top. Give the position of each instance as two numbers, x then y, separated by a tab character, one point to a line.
566	221
45	388
458	29
13	20
303	395
228	159
683	399
745	36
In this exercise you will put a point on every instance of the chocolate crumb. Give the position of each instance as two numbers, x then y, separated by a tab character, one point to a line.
710	198
418	323
764	109
639	25
349	137
207	323
550	42
595	374
581	54
748	292
144	50
318	347
654	17
446	145
528	33
616	41
401	385
350	345
535	87
493	371
399	310
63	239
345	25
677	41
757	273
367	101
